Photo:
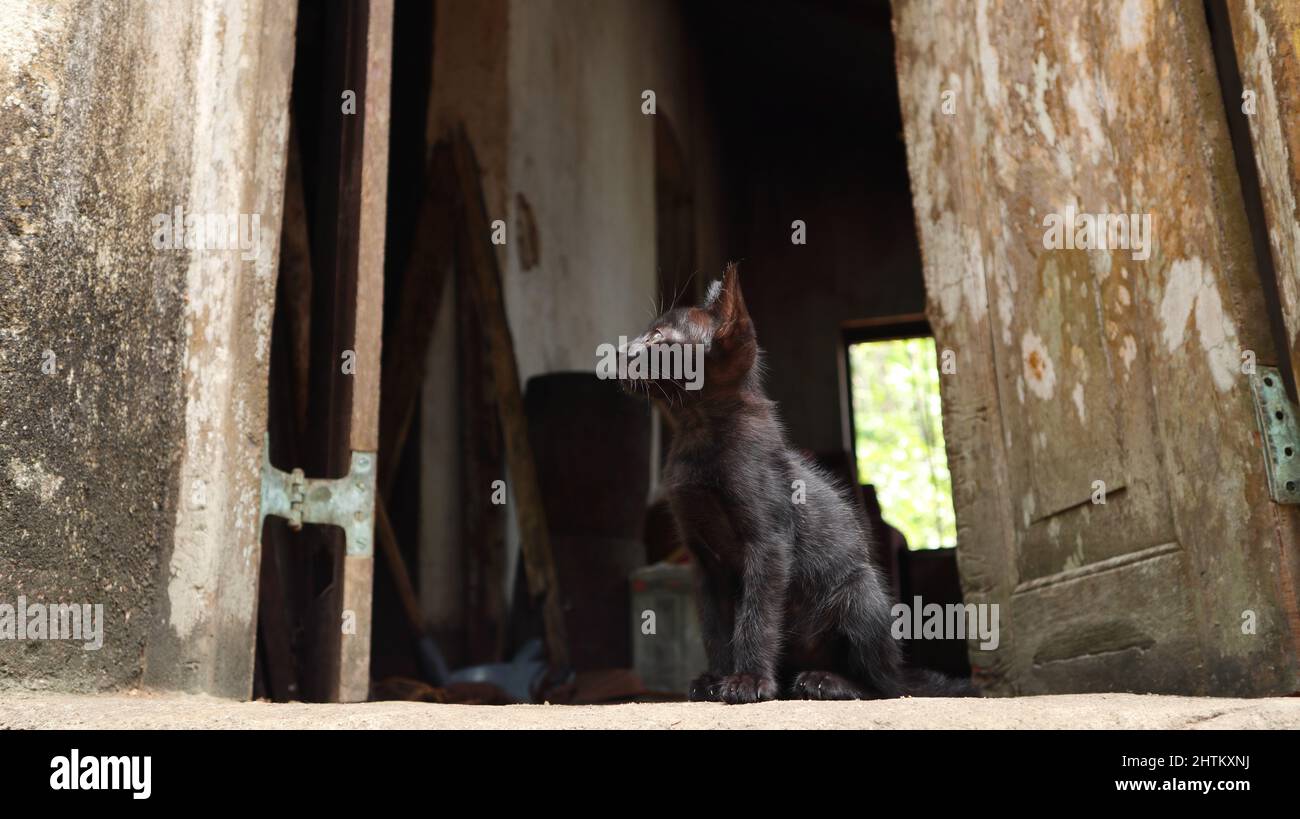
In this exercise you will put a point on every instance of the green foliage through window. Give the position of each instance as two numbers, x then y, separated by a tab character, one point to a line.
899	437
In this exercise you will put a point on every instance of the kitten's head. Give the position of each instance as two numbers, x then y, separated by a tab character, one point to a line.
714	342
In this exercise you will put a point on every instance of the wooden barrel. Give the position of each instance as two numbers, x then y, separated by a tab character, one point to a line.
591	443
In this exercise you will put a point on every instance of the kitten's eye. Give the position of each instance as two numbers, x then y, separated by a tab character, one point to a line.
655	337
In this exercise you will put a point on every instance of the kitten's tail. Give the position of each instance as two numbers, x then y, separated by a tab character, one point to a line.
922	682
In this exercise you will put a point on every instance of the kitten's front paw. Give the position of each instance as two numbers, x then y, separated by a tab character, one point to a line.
704	688
746	688
825	685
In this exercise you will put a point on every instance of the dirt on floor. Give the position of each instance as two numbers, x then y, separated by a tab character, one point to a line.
148	710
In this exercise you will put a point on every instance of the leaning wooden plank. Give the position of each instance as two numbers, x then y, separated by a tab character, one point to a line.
482	523
405	347
480	257
1266	39
296	274
423	284
428	655
358	570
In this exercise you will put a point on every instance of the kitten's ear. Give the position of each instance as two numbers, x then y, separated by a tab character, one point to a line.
727	305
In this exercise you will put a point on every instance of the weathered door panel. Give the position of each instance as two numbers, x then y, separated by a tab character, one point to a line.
358	569
1127	620
1085	375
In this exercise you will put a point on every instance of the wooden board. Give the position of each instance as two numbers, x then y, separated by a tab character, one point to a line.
1266	36
1266	41
476	254
358	571
327	589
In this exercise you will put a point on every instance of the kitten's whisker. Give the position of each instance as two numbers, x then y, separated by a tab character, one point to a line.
666	396
684	286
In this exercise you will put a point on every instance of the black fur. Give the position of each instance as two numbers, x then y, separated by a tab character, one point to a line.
790	603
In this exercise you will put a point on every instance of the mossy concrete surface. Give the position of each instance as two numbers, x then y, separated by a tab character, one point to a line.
133	365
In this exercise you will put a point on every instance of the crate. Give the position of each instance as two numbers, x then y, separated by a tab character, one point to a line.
671	654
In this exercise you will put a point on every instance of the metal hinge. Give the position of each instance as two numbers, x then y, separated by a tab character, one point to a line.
347	502
1277	428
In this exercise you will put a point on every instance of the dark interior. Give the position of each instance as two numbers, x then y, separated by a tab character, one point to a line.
810	130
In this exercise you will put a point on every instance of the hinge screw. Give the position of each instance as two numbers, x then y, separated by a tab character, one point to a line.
296	497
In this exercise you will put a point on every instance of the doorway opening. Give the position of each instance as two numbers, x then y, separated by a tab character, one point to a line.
897	429
892	376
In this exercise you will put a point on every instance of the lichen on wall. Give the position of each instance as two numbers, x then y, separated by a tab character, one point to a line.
132	370
90	335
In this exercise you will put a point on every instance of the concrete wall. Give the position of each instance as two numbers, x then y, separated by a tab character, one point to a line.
582	156
129	462
569	140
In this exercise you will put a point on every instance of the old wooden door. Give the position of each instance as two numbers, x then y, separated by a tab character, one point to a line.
1108	478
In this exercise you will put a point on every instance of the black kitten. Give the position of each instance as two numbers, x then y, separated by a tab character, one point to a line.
790	603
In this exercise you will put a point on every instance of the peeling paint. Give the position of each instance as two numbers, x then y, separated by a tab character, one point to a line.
1044	76
1040	374
961	286
1134	24
1128	353
988	55
1101	262
1191	292
1081	103
1075	560
1079	361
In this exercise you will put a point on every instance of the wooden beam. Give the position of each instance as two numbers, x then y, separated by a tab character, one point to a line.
482	460
358	570
425	279
476	252
405	354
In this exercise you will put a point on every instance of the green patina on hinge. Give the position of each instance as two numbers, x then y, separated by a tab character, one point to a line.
347	502
1278	429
